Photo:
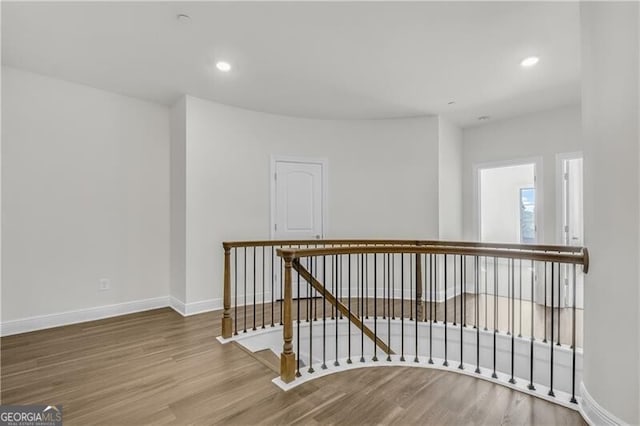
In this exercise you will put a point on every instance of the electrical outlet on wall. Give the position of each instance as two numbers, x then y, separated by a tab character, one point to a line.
104	284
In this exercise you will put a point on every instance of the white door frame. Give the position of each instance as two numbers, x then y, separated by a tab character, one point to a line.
539	186
323	162
560	158
559	191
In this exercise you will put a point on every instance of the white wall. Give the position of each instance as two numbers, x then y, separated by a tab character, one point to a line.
382	180
543	135
610	55
85	187
450	180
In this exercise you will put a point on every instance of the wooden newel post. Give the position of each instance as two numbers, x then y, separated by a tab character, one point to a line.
420	309
288	357
227	326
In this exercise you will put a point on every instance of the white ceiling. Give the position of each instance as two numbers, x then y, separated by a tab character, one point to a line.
320	60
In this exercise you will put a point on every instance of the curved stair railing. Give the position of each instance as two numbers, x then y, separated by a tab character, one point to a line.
488	310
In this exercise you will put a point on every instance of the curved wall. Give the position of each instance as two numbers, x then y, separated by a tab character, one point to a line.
610	55
383	182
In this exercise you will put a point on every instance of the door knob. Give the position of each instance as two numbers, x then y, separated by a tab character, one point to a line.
317	237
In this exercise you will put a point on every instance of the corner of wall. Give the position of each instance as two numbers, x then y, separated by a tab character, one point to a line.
177	167
450	224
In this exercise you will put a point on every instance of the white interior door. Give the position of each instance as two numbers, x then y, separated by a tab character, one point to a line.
298	203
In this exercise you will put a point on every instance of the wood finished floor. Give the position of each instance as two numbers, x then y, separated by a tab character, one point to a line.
157	367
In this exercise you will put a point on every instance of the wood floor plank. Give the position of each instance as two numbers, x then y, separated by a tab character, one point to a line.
159	368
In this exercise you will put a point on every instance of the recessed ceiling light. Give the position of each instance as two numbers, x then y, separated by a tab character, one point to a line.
484	117
223	66
183	18
530	61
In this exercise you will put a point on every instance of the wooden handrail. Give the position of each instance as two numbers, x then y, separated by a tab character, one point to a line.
388	242
306	275
581	258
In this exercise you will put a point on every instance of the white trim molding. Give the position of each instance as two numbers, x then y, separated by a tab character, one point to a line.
193	308
177	305
40	322
593	413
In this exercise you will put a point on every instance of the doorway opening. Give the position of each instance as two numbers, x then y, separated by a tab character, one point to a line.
508	203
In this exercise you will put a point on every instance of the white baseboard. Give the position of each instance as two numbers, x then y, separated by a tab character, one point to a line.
193	308
177	305
593	413
25	325
203	306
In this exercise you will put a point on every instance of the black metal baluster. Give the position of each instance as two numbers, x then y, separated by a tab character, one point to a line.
531	386
385	260
509	277
392	279
559	304
476	292
358	295
425	280
273	295
254	288
463	305
335	271
324	313
477	279
384	290
495	313
349	305
512	380
298	325
308	301
366	286
333	282
431	274
402	307
235	301
435	288
362	308
245	291
364	300
446	363
573	340
415	272
551	342
282	290
375	306
462	319
411	289
340	275
263	280
314	291
520	296
486	302
545	303
310	305
455	290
